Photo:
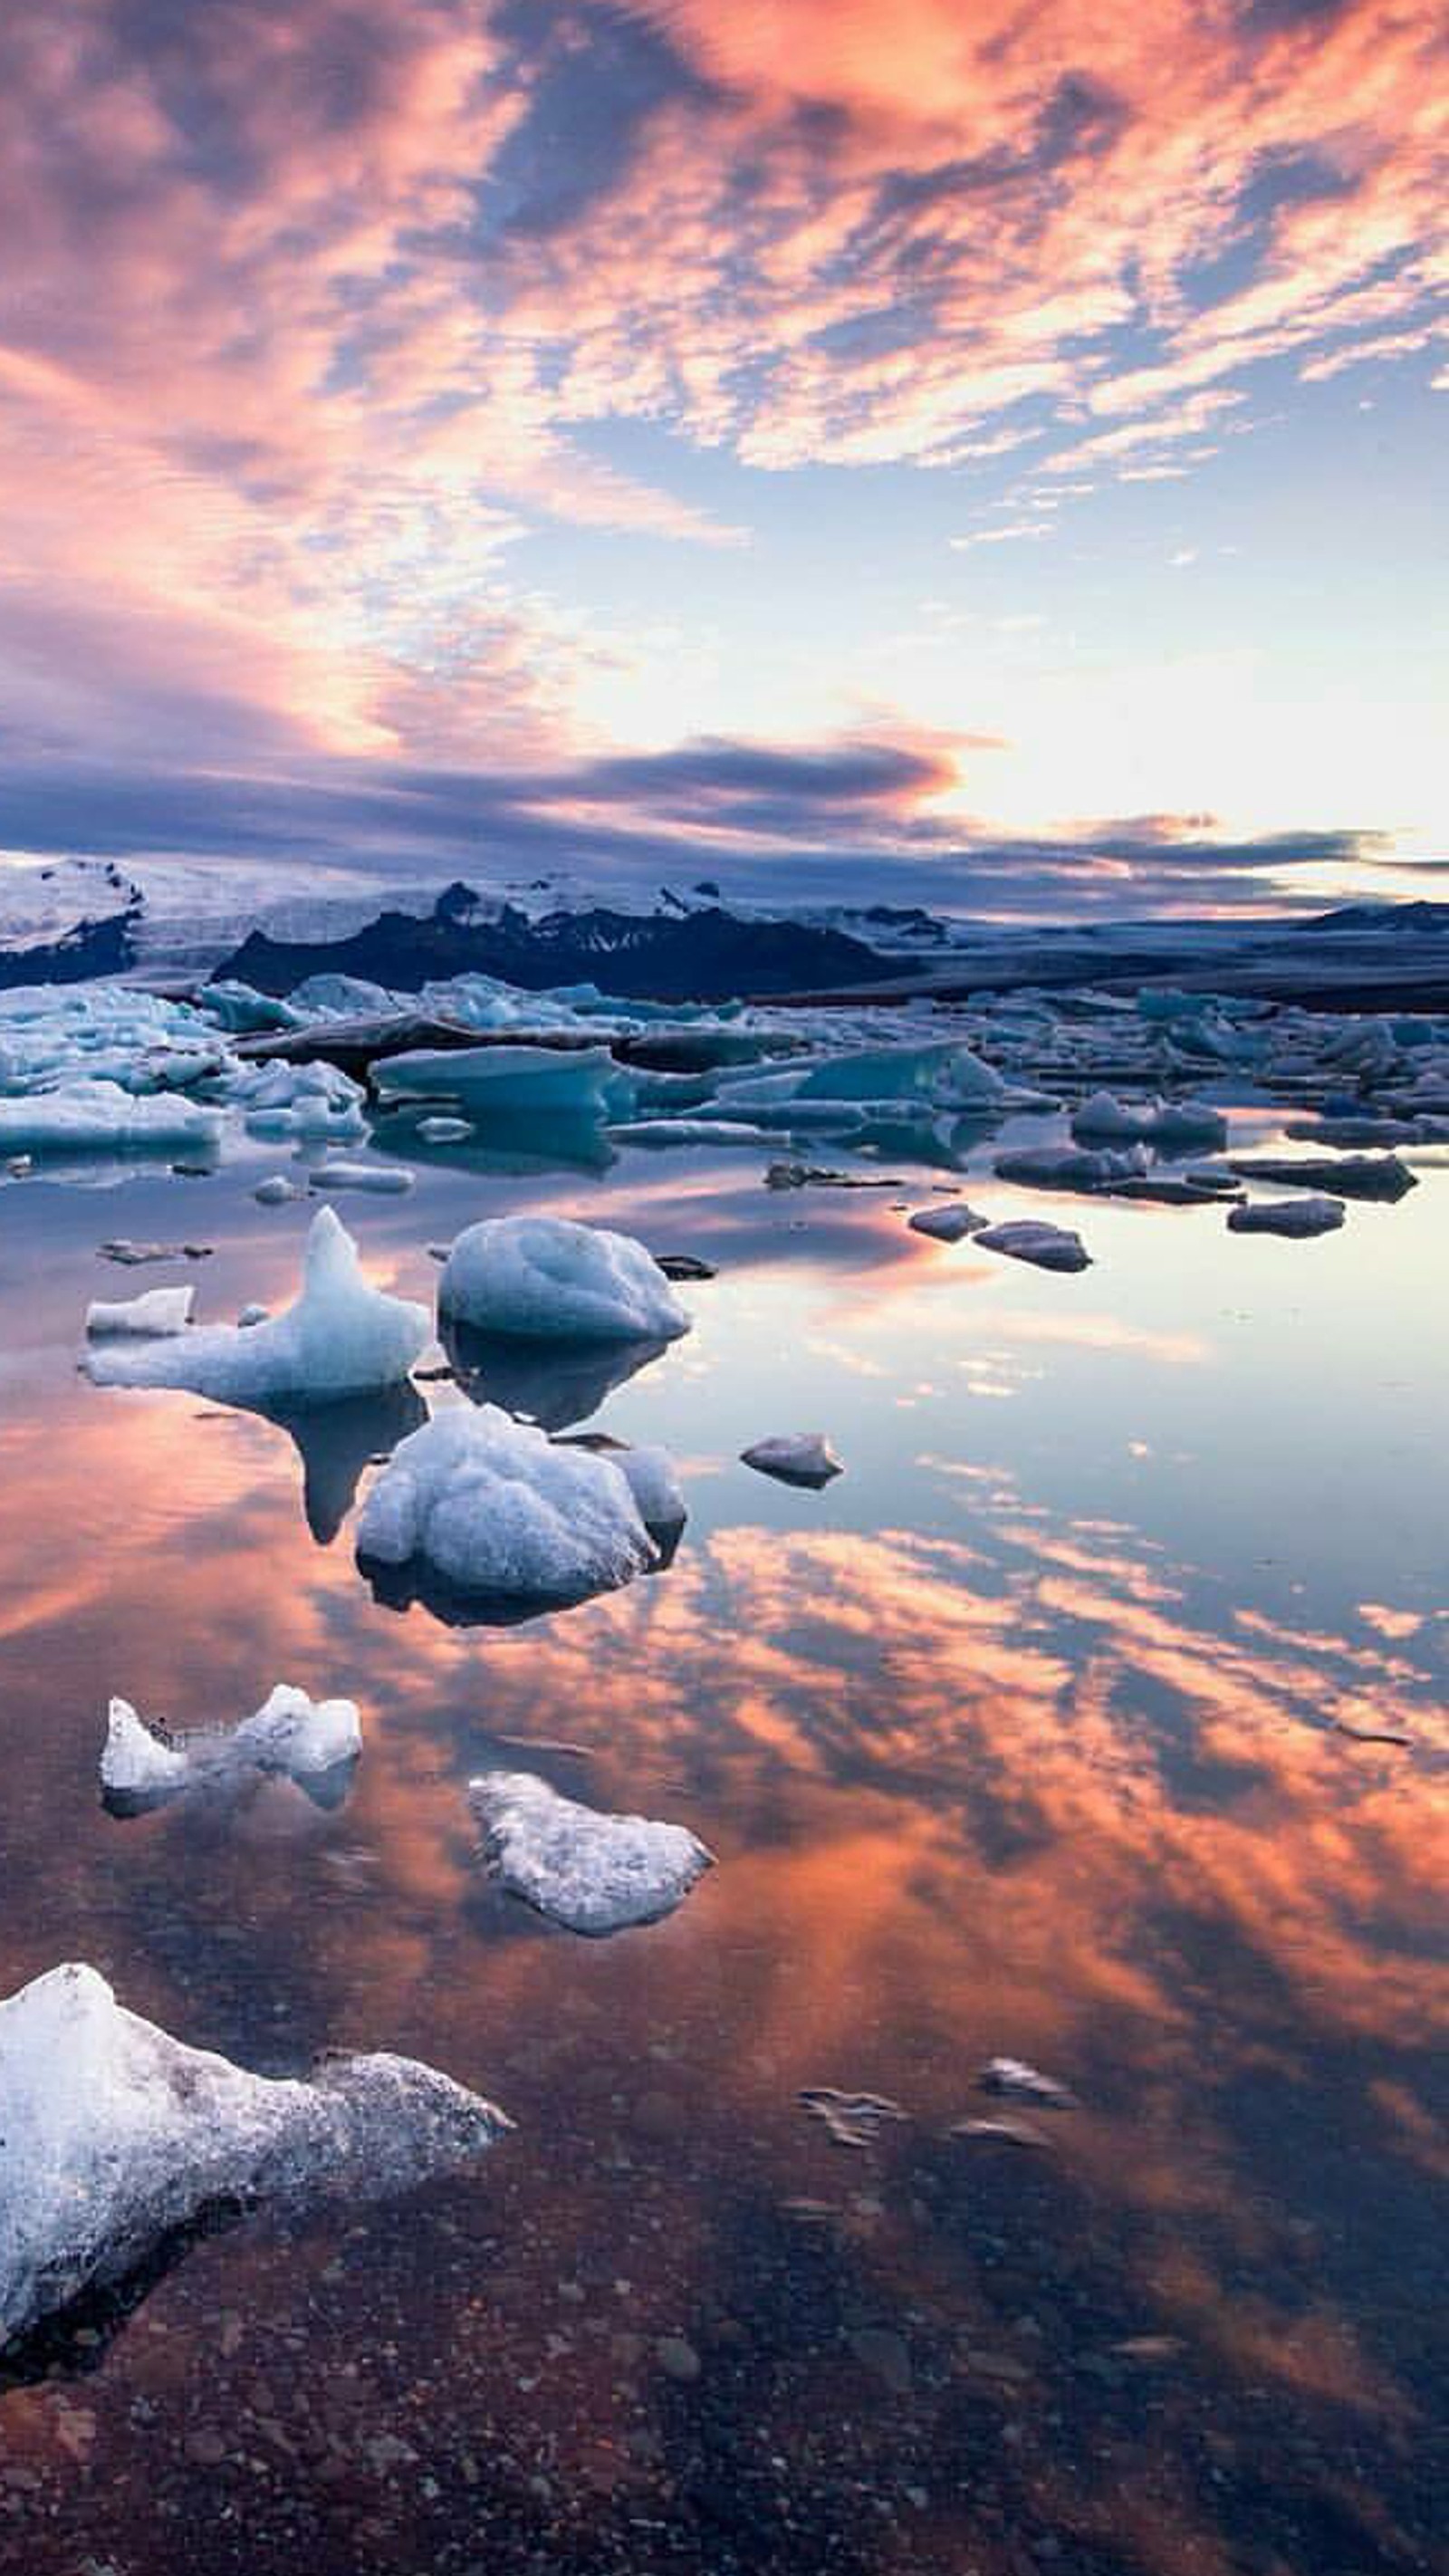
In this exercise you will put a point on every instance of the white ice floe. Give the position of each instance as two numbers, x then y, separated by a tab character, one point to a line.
89	1116
156	1310
1306	1216
385	1180
542	1278
317	1103
497	1509
592	1872
948	1224
113	2134
277	1191
1050	1247
289	1732
444	1131
340	1338
796	1458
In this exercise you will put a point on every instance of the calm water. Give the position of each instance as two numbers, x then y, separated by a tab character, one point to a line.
1019	1738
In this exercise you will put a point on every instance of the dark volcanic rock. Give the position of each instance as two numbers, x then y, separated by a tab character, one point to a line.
701	956
91	948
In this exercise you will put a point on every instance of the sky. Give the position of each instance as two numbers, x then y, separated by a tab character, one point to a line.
989	452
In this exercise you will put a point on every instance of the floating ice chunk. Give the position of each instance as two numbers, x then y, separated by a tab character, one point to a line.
540	1278
252	1314
385	1180
1187	1123
277	1191
1070	1167
796	1458
84	1116
142	1764
592	1872
497	1080
444	1131
317	1102
1352	1176
948	1224
1014	2076
690	1131
341	1338
156	1310
499	1512
1308	1215
113	2134
1051	1247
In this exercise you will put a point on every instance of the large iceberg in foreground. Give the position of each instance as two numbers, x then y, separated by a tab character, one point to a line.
592	1872
316	1741
340	1338
542	1278
112	2135
501	1513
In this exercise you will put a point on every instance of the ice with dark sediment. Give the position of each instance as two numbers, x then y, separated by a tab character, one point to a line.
315	1742
1353	1176
1047	1247
950	1223
1308	1215
341	1338
795	1458
592	1872
114	2135
1071	1167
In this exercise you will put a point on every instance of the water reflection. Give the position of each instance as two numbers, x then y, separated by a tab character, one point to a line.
555	1384
988	1772
336	1441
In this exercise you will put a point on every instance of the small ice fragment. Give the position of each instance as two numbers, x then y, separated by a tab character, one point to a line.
142	1763
684	1265
594	1873
1013	2075
156	1310
444	1131
947	1224
250	1315
277	1191
131	1256
385	1180
796	1458
1001	2133
542	1278
852	2119
113	2135
1294	1217
1050	1247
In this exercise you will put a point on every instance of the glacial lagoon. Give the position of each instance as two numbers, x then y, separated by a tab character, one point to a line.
1093	1717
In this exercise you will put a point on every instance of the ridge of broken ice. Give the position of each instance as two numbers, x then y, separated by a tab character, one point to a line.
543	1278
593	1872
340	1338
143	1764
113	2135
500	1512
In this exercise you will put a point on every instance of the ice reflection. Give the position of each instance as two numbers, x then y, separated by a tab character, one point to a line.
553	1383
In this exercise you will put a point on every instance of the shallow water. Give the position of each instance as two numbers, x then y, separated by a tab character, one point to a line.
1019	1738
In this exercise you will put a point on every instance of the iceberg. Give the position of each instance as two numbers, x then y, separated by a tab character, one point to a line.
495	1081
1070	1167
1308	1215
1050	1247
795	1458
542	1278
86	1116
1175	1123
490	1510
341	1338
113	2135
316	1742
594	1873
156	1310
385	1180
